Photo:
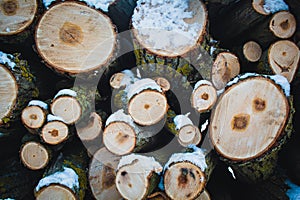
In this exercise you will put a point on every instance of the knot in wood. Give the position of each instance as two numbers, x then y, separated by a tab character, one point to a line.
259	104
240	122
71	34
10	7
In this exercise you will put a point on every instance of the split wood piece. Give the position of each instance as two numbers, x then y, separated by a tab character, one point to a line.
252	51
83	30
66	177
283	24
268	108
16	16
66	106
186	172
284	58
204	96
137	176
55	131
182	38
17	89
102	175
90	129
225	67
34	115
34	155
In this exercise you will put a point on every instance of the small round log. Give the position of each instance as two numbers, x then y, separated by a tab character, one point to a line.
34	155
225	67
284	58
163	83
189	134
102	174
55	131
258	6
116	80
137	176
204	96
283	24
91	129
83	30
34	115
252	51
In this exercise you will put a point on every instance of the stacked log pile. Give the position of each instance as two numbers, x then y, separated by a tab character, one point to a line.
146	99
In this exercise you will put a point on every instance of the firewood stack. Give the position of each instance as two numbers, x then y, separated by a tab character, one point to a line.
164	99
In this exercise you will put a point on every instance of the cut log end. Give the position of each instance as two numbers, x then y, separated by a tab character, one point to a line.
284	58
8	91
33	117
175	43
66	107
34	155
91	129
258	6
116	80
16	15
240	114
55	132
186	178
225	67
55	191
189	134
148	107
84	30
252	51
119	138
204	98
163	83
283	24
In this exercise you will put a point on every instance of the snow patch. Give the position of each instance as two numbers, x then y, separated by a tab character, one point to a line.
231	171
47	3
99	4
51	118
273	6
204	126
67	177
164	22
66	92
7	59
128	78
38	103
197	158
294	192
181	121
141	85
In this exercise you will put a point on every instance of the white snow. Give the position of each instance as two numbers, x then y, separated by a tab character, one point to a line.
181	121
99	4
47	3
212	50
294	192
273	6
197	158
201	82
7	59
7	29
67	177
128	78
219	92
66	92
204	126
51	118
278	79
164	22
141	85
231	171
38	103
138	73
149	164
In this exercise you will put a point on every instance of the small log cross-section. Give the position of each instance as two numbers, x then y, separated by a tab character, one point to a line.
34	155
225	67
252	51
102	175
284	58
204	96
78	28
55	131
90	129
283	24
34	115
137	176
16	15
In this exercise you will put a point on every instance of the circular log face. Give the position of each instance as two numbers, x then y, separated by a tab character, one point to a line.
33	117
119	138
55	192
74	38
8	91
16	15
258	6
148	107
34	156
252	51
283	24
157	33
284	58
189	134
248	118
55	132
92	129
183	181
204	98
